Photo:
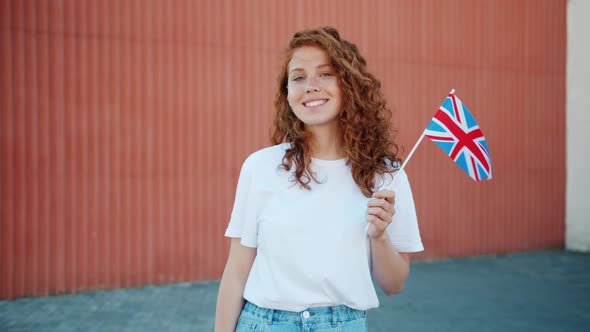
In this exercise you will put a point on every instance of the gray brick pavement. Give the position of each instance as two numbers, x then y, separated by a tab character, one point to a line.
538	291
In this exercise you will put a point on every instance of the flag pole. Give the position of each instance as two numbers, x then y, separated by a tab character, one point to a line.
412	151
403	165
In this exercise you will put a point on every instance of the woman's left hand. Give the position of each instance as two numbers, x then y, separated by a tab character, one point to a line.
380	213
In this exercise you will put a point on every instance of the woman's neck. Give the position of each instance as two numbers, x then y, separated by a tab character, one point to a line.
326	144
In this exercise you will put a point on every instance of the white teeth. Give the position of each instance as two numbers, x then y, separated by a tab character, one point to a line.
315	103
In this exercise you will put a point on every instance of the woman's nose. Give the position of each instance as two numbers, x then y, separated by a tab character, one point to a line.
312	85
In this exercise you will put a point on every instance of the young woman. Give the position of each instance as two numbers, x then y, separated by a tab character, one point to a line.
319	212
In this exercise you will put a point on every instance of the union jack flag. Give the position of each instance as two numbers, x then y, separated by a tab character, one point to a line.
455	131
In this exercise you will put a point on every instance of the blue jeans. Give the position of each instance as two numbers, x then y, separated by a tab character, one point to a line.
325	319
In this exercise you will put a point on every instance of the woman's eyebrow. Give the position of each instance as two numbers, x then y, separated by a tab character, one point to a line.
318	66
295	69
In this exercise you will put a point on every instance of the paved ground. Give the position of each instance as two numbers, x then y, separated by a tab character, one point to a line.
539	291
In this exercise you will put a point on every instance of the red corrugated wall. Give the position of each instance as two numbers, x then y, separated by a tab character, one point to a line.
124	125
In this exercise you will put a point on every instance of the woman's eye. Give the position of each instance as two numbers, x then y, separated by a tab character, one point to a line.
297	78
326	74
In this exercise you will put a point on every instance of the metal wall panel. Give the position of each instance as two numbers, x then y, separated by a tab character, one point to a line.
124	125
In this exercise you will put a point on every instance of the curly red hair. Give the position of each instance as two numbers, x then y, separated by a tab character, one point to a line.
365	120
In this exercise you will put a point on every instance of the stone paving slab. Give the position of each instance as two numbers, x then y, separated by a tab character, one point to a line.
537	291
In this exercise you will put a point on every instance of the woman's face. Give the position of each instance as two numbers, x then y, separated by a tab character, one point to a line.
313	90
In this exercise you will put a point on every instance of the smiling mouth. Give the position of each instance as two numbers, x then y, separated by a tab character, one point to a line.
315	103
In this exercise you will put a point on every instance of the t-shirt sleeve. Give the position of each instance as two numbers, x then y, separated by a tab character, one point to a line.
243	223
403	230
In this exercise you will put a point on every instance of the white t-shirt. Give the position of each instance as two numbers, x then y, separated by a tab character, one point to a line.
312	247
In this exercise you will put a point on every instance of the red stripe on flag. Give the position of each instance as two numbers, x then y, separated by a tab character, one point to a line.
474	169
456	109
440	138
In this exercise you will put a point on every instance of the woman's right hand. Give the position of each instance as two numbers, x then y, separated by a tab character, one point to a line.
231	289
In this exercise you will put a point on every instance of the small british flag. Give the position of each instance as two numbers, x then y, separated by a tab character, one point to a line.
455	131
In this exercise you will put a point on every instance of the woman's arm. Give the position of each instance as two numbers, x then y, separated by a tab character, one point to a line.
390	268
230	297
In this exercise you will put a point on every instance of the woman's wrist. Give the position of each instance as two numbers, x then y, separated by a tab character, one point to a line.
381	239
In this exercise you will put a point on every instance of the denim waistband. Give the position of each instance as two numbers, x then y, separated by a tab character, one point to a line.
333	314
